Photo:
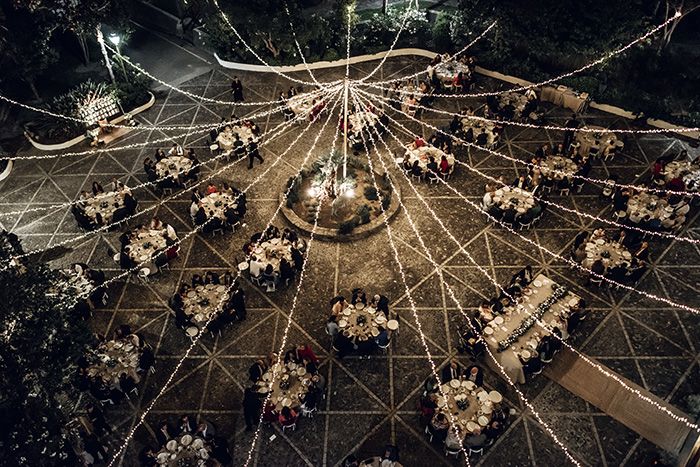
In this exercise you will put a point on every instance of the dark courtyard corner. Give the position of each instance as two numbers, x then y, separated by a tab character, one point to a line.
339	233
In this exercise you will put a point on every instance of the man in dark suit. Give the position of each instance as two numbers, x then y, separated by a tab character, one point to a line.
482	138
163	434
251	408
253	153
452	371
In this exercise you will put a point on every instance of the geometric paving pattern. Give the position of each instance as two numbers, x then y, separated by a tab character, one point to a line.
372	402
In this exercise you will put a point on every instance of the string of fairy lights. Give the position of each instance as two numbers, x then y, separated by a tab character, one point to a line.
182	171
149	209
438	271
165	386
569	261
331	90
536	197
598	367
385	219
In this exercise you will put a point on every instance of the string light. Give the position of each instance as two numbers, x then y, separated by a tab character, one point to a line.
302	275
600	368
563	208
299	117
155	206
452	295
254	53
544	127
595	181
451	59
142	418
385	218
573	263
600	60
204	126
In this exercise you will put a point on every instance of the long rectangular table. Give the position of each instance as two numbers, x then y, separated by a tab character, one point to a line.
536	293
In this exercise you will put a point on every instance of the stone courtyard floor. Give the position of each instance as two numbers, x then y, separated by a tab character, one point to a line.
371	402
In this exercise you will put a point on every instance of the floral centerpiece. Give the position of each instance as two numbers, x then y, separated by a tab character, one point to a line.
557	293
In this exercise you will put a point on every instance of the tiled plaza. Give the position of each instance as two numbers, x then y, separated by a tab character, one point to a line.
371	402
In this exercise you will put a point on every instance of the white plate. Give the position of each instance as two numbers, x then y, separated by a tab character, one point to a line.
192	331
197	443
186	440
347	312
286	402
301	371
359	305
483	421
455	383
163	457
488	331
203	454
342	323
498	320
171	445
375	332
525	354
537	283
573	302
392	324
470	385
600	241
471	426
495	397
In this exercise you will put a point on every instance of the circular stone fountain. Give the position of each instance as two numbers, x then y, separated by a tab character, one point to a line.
351	207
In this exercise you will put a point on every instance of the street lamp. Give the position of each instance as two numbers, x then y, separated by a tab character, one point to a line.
115	39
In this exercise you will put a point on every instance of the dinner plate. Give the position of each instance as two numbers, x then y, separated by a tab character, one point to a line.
525	354
192	331
375	332
482	396
275	241
171	445
392	324
380	319
488	330
471	426
191	294
199	317
573	302
498	320
242	266
186	440
286	402
163	457
359	305
446	388
495	397
197	443
455	383
347	312
301	371
537	283
221	288
600	241
342	323
528	291
470	385
370	310
203	454
483	421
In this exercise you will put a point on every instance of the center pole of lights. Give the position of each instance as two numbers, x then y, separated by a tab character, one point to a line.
346	92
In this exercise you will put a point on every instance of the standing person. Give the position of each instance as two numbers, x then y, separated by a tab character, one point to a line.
251	408
253	153
571	125
237	89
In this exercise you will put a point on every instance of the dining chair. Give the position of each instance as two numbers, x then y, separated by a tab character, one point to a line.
143	275
291	426
452	452
477	451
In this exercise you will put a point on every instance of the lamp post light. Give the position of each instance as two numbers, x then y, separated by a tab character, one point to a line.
116	40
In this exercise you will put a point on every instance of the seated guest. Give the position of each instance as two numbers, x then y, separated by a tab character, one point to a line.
438	427
197	280
520	182
359	295
287	273
452	371
493	430
381	303
643	252
432	167
211	188
256	371
211	278
97	189
205	430
416	170
444	165
187	425
475	374
287	416
482	138
163	434
476	440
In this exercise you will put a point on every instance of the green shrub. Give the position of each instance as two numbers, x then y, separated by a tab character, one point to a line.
371	193
363	212
441	33
347	226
